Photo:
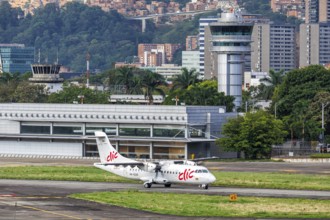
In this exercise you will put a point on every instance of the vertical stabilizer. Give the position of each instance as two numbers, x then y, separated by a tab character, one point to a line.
108	154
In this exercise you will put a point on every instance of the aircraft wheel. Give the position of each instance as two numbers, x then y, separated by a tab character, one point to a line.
205	186
167	185
147	185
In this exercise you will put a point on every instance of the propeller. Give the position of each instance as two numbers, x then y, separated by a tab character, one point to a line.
158	169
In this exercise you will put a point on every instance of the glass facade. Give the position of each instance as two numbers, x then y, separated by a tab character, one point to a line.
16	58
231	30
129	148
109	130
35	129
165	132
133	149
165	150
139	132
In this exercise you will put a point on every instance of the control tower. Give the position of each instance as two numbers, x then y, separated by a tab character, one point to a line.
47	74
227	43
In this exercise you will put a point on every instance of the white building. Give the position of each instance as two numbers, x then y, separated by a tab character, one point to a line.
190	60
166	70
137	131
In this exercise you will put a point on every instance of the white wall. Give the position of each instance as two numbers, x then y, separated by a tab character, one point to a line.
9	127
41	148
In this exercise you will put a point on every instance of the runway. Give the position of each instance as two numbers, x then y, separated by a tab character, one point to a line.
35	199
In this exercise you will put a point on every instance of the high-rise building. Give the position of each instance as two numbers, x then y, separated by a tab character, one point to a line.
317	11
312	11
227	42
314	44
191	43
203	22
16	58
273	47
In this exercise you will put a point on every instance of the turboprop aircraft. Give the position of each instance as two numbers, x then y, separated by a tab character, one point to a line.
164	172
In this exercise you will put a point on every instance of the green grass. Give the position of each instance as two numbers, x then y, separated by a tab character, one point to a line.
205	205
230	179
325	155
66	173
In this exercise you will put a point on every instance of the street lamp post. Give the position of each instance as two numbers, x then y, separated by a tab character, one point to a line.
323	106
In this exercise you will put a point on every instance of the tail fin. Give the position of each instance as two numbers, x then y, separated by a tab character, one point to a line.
108	154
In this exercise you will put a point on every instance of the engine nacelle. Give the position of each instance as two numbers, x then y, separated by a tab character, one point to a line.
189	162
149	167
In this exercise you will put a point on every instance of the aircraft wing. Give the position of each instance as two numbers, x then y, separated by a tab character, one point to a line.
195	160
205	158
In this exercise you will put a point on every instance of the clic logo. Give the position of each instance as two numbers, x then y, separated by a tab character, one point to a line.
112	156
186	174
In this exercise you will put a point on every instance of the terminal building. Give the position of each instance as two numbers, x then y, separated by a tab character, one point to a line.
137	131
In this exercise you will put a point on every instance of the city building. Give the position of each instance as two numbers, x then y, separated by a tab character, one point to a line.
16	58
227	42
190	60
253	79
191	43
273	47
156	54
294	8
137	131
166	70
314	44
317	11
203	22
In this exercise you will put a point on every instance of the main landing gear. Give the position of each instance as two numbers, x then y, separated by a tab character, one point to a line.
204	186
147	185
167	185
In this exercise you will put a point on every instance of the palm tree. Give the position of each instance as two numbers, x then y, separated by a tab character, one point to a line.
269	83
150	84
187	78
124	77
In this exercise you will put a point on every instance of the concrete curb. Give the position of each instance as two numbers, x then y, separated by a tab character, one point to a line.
304	160
48	157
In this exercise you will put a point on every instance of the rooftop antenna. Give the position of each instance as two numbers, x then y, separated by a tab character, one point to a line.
88	57
56	57
39	56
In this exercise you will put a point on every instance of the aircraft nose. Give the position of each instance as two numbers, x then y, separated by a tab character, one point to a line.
211	178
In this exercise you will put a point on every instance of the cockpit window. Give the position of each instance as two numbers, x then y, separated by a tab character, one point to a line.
201	171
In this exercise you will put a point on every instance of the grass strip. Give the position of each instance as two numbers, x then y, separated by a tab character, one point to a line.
205	205
231	179
320	155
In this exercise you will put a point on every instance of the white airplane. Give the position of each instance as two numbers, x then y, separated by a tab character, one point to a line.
163	172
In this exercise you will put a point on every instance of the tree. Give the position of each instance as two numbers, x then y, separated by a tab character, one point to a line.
73	93
254	134
187	78
30	93
151	83
300	84
203	93
124	76
269	84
